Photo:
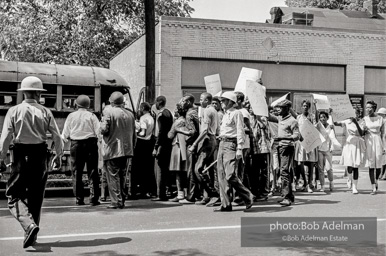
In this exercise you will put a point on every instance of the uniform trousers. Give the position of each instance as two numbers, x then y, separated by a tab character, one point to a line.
227	175
116	172
205	158
85	152
26	185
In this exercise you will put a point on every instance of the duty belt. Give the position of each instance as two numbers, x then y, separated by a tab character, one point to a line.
229	139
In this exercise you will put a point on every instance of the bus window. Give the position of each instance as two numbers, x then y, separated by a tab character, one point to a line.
8	94
71	92
48	98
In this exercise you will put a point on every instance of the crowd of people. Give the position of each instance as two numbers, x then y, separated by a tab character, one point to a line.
217	154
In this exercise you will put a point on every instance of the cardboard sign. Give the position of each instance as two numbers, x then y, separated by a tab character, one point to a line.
213	84
321	101
311	136
279	100
341	107
256	96
247	74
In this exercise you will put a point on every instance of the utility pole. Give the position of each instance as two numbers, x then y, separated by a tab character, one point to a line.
150	51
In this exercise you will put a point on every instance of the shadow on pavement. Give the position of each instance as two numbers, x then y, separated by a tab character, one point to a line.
177	252
47	247
314	251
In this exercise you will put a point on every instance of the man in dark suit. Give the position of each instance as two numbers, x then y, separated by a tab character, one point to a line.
163	147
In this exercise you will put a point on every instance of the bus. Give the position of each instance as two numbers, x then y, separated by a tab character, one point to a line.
64	83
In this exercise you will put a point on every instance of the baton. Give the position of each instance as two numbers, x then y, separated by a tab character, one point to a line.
207	168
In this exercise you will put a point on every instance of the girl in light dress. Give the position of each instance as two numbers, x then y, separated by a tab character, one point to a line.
374	128
353	151
178	163
382	113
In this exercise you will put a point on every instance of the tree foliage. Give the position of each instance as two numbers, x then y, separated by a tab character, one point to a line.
354	5
84	32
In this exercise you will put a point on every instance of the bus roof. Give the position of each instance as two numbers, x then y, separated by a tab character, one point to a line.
13	71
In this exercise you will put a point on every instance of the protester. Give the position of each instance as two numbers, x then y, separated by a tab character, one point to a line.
325	150
374	128
288	134
119	139
303	158
353	151
163	147
28	123
382	112
274	156
259	175
205	145
142	173
82	128
232	138
178	159
193	128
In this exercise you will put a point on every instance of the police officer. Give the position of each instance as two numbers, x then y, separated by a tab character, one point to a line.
82	128
230	152
28	124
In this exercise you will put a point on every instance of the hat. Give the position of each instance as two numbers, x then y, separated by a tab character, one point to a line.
230	96
83	101
382	111
31	83
284	103
116	98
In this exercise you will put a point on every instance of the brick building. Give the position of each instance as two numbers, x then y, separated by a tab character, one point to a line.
333	52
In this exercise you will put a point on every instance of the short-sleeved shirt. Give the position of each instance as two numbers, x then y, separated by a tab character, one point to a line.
232	126
209	120
146	122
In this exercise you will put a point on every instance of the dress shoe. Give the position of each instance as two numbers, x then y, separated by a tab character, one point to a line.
213	201
285	202
186	201
222	209
30	235
159	199
261	198
204	201
250	203
103	199
95	203
80	203
238	203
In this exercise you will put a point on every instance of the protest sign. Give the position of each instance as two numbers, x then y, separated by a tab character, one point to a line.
311	136
256	97
279	100
341	107
213	84
321	101
246	74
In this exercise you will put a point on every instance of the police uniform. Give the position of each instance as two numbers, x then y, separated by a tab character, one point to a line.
231	139
28	124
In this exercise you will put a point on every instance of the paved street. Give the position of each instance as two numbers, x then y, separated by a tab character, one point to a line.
165	228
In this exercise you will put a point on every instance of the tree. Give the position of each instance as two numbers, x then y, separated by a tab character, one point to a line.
354	5
84	32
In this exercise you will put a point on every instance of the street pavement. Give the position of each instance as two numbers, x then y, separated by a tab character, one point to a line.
166	228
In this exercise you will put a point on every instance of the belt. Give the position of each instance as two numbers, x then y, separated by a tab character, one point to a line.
229	139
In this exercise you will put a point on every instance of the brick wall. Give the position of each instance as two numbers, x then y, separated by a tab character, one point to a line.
198	38
240	41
